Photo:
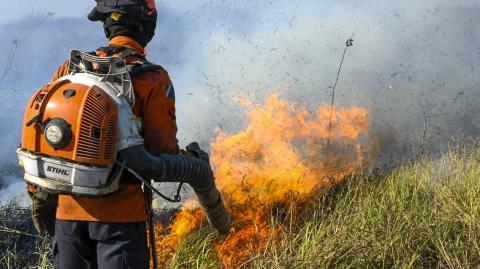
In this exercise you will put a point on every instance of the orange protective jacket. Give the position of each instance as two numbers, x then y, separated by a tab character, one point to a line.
155	107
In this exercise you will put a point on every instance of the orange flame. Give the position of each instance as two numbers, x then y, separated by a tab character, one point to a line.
282	153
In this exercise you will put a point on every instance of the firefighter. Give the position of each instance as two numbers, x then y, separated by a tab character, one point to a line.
110	231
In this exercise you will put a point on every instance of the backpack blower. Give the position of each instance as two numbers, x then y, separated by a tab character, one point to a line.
79	134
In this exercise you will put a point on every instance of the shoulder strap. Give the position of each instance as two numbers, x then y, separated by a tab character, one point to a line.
141	68
136	68
110	50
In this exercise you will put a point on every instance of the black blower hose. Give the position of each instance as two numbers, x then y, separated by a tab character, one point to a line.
180	168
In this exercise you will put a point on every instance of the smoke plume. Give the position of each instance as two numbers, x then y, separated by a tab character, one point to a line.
414	67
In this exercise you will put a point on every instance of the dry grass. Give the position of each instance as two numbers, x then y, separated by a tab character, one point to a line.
20	247
422	215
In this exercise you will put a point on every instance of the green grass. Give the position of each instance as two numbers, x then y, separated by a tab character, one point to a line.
422	215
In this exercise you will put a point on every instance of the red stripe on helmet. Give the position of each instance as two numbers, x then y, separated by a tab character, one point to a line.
151	6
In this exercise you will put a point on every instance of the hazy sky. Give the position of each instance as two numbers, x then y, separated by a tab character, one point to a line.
215	49
16	10
412	62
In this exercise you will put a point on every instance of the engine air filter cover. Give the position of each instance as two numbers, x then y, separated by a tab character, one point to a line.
58	133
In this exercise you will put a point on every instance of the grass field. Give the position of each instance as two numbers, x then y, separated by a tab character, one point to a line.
421	215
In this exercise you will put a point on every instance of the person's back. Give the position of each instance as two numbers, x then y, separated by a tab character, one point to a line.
110	231
114	225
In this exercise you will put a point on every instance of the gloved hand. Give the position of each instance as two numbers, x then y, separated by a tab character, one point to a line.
44	209
193	149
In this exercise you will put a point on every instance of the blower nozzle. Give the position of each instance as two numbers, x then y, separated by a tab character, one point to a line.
211	201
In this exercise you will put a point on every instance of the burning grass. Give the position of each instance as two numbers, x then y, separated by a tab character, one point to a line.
278	162
300	197
422	215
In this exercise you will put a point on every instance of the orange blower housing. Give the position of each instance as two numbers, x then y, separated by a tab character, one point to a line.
71	131
91	117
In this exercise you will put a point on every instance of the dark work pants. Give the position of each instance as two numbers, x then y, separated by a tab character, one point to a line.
100	245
